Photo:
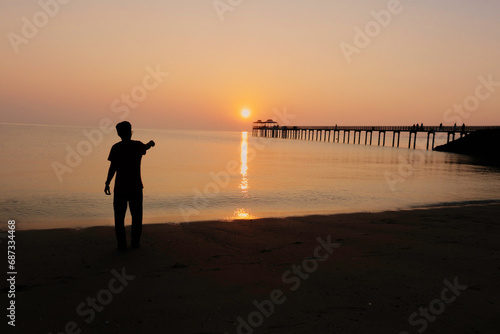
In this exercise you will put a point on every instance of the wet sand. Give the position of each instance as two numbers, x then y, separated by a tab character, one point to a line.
348	273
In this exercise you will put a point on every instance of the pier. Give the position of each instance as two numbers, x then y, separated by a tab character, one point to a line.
342	134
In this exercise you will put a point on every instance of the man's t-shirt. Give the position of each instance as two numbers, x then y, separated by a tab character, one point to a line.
127	156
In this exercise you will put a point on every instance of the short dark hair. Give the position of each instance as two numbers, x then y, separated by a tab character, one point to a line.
124	129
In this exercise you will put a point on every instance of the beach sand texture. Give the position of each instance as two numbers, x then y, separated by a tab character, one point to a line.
201	277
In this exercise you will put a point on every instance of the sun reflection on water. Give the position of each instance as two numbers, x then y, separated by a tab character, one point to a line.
244	163
243	213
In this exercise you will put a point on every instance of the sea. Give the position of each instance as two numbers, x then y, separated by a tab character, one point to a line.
53	177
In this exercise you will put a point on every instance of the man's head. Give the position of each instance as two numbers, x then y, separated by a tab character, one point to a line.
124	130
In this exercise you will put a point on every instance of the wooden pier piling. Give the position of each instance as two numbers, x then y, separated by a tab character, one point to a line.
271	129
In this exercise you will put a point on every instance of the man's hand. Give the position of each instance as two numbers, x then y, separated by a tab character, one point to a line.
107	191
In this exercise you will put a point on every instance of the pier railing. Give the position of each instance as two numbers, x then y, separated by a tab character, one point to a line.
384	128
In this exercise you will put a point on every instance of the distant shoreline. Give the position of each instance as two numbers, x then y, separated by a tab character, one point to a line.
85	224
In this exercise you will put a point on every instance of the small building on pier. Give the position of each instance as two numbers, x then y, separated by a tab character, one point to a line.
267	124
265	128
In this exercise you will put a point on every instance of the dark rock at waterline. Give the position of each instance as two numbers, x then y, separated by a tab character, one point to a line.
483	143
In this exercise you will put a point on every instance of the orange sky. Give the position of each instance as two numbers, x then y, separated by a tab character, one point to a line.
264	55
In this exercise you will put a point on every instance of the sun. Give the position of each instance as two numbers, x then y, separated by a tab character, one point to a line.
245	113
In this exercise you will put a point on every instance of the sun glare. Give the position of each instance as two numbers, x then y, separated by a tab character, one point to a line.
245	113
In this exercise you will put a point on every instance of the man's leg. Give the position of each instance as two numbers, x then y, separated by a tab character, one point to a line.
136	212
120	207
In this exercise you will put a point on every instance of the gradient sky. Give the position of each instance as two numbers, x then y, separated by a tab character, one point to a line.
264	55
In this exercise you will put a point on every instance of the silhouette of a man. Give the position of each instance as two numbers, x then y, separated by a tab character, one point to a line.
125	157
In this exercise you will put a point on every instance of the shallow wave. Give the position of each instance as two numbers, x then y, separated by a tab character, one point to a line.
456	203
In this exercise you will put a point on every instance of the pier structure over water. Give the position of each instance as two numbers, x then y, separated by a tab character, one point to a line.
342	134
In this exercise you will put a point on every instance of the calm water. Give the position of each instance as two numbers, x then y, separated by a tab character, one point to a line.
192	176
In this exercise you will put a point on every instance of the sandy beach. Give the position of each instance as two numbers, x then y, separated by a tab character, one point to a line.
433	270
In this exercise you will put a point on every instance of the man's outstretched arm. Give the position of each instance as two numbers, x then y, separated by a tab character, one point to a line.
111	173
150	144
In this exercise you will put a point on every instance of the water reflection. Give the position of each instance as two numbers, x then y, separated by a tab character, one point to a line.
243	213
244	164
